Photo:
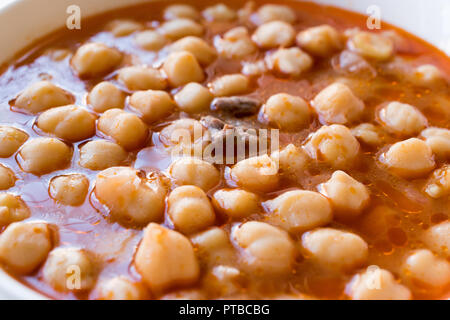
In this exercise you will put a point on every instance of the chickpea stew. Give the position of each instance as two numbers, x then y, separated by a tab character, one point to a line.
352	204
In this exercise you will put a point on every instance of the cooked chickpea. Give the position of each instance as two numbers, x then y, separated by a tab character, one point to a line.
105	96
439	184
125	128
438	140
299	210
11	139
202	51
142	78
181	68
256	174
230	85
193	171
402	119
70	123
320	41
121	288
265	248
123	27
102	154
437	238
150	40
70	190
189	209
368	134
427	270
193	98
214	246
287	112
219	13
291	160
236	203
153	105
411	158
7	178
271	12
347	195
372	46
274	34
292	61
166	258
427	75
177	11
12	209
335	249
34	155
178	131
224	280
181	27
41	96
235	44
62	263
130	197
334	145
377	284
25	246
94	59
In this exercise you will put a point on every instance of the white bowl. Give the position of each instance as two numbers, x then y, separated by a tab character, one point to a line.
24	21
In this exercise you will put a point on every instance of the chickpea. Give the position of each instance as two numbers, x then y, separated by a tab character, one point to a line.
7	178
256	174
424	269
347	195
335	249
411	158
439	184
153	105
202	51
125	128
105	96
230	85
272	12
265	248
181	68
61	263
299	210
219	13
70	123
402	119
25	246
12	209
177	11
292	61
11	139
193	98
376	284
291	160
121	288
368	134
337	104
287	112
214	246
131	198
180	28
224	281
274	34
193	171
185	132
438	140
320	41
236	203
235	44
123	27
427	75
102	154
189	209
166	258
34	155
70	190
150	40
94	59
437	238
41	96
372	46
142	78
334	145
